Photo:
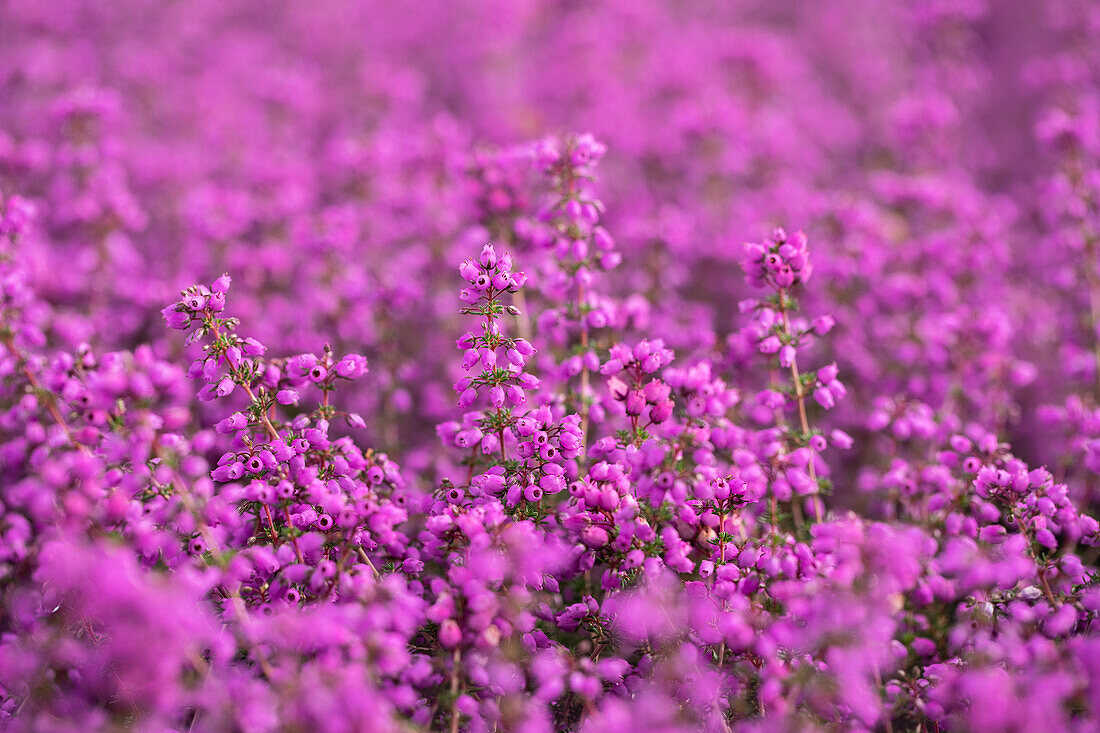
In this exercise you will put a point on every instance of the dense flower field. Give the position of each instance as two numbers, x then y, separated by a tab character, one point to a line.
538	365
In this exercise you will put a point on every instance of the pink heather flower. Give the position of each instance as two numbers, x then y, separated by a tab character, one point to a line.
823	324
770	345
515	394
352	366
194	301
225	387
449	634
594	537
840	439
994	534
661	412
177	319
233	423
824	398
287	397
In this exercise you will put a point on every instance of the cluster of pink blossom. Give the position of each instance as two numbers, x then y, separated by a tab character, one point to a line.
344	387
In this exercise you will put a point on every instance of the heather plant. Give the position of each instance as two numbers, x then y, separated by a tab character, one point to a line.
500	426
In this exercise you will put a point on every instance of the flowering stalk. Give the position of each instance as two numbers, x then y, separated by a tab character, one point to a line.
489	278
782	264
303	487
529	447
629	382
581	246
